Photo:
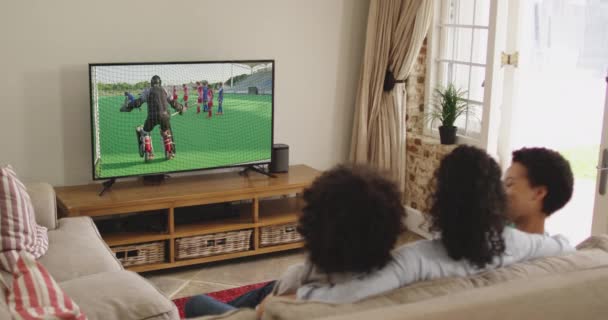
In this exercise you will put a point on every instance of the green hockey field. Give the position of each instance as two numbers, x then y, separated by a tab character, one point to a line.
242	134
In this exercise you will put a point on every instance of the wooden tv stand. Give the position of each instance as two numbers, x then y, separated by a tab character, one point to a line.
261	201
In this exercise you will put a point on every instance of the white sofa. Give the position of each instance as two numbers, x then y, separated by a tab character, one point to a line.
87	270
567	287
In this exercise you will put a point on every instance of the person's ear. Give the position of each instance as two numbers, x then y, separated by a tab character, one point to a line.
540	193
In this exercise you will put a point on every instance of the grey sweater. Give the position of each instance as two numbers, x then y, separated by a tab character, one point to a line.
418	261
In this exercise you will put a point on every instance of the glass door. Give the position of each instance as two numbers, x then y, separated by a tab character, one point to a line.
600	214
555	97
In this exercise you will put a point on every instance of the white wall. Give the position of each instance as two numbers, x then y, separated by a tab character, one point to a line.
46	47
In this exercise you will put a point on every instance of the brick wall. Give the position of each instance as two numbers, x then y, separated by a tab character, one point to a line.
423	156
415	95
423	153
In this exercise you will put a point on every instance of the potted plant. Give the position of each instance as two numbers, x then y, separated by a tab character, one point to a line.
449	104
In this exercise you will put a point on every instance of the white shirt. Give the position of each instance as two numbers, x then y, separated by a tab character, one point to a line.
428	259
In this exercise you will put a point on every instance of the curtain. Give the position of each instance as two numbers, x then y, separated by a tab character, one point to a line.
395	33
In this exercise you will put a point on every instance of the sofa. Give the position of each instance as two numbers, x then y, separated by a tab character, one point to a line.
87	270
572	286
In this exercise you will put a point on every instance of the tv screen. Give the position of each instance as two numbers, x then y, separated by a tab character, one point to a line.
157	118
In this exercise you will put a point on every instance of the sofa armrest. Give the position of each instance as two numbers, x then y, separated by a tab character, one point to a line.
119	295
44	202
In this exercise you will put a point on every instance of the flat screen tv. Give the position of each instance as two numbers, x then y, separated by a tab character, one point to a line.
158	118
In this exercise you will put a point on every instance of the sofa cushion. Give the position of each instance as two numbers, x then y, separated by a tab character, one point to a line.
44	202
285	308
573	295
76	249
35	295
119	295
18	228
590	256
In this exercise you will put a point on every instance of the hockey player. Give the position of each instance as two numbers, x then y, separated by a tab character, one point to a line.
220	99
185	88
205	95
175	93
158	114
210	102
199	101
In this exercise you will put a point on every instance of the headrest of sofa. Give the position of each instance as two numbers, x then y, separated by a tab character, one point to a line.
591	254
593	242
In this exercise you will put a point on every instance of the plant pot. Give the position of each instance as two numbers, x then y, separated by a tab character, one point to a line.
447	135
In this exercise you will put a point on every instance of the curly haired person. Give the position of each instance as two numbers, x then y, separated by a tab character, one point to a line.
350	222
538	183
469	213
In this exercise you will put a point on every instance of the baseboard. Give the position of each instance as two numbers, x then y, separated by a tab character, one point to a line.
416	223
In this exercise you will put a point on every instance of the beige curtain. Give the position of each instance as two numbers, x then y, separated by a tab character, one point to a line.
395	32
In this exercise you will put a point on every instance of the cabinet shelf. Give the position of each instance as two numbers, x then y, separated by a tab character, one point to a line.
124	238
192	206
280	211
202	228
243	220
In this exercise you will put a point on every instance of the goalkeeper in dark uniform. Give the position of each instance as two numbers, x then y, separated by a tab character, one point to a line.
158	114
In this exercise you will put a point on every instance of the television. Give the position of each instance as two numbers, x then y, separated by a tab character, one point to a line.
167	117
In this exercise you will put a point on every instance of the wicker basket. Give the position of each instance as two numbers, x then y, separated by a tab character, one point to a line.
285	233
138	254
212	244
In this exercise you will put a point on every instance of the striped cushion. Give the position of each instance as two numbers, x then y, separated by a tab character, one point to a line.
18	228
35	295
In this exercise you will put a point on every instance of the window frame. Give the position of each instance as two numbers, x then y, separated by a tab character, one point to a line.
436	42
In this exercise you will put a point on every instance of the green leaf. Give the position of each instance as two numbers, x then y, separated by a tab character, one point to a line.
448	105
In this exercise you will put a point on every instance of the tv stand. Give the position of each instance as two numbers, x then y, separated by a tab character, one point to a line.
245	171
154	179
107	185
135	219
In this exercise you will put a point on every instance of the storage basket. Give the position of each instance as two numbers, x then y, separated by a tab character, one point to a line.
138	254
212	244
278	234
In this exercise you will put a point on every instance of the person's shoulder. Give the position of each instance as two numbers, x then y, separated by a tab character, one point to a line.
510	231
513	236
419	248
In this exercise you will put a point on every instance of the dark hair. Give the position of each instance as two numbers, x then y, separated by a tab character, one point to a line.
155	81
548	168
351	219
468	206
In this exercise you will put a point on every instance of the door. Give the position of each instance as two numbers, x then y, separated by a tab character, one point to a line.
600	213
554	97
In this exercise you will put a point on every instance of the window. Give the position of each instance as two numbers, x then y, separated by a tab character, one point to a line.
458	49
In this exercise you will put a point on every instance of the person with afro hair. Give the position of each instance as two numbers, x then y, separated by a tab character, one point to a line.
468	213
538	183
350	222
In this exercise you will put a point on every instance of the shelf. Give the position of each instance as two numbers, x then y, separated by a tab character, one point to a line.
125	238
280	247
217	224
207	227
279	211
219	257
128	196
191	206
